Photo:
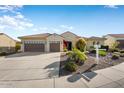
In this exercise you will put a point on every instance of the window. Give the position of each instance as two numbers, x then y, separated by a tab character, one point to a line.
93	42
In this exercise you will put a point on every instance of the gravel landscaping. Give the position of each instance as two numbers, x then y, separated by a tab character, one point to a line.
90	64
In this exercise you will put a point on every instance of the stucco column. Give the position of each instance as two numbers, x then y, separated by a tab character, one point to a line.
61	46
47	46
22	46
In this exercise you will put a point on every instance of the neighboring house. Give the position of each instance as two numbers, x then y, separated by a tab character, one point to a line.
48	42
112	38
95	40
7	44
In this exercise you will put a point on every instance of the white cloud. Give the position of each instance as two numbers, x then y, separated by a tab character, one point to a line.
19	15
56	30
10	8
40	29
66	27
17	22
43	28
111	6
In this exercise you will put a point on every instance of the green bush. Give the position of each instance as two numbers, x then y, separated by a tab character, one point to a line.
115	56
114	50
81	45
93	51
65	49
121	51
17	47
70	66
102	53
3	54
77	56
122	55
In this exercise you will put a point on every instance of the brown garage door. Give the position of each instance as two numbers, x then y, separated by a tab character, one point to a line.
54	47
34	48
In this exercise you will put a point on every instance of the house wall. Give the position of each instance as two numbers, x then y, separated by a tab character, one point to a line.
7	44
110	40
54	38
70	37
90	42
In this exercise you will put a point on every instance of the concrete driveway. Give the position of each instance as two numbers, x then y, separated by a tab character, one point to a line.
29	70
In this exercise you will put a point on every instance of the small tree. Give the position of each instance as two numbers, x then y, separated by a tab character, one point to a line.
115	44
81	45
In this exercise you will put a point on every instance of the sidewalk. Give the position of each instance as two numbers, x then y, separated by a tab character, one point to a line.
112	77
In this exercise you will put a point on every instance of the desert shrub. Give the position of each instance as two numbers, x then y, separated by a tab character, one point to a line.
77	56
121	51
115	44
70	55
93	51
104	47
121	54
3	54
65	49
70	66
117	53
115	56
114	50
102	53
81	45
17	47
92	47
86	52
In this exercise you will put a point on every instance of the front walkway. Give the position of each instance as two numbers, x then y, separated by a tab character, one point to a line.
112	77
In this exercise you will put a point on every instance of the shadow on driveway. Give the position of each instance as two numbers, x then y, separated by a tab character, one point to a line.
75	77
53	69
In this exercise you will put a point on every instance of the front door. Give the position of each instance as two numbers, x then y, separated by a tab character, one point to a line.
69	45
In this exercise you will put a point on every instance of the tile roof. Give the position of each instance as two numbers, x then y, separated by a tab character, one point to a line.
94	38
44	35
8	36
117	35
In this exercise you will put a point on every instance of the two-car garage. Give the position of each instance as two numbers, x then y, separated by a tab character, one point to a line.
42	43
34	48
40	47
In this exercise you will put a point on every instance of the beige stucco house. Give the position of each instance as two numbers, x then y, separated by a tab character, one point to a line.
95	40
48	42
54	43
112	38
7	44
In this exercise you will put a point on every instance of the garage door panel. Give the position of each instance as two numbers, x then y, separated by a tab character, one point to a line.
54	47
34	48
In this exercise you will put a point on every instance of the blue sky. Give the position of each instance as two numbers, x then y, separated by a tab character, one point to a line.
82	20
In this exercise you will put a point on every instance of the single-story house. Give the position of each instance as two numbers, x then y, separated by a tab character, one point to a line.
48	42
7	44
112	38
95	40
54	42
